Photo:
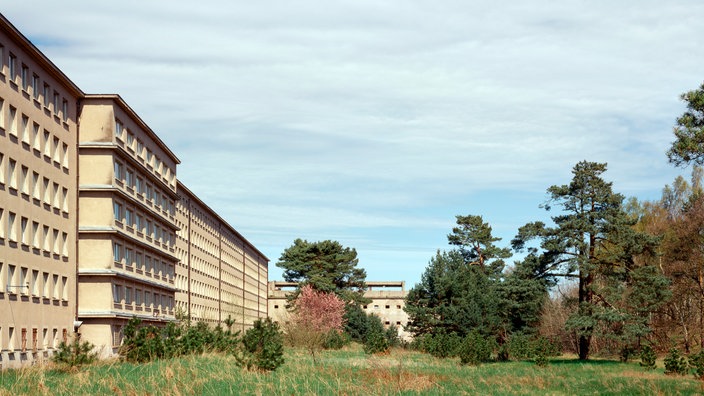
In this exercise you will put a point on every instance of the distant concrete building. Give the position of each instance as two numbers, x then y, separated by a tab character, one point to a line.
220	274
388	301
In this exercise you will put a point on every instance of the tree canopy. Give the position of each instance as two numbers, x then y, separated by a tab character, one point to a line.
593	241
688	146
326	266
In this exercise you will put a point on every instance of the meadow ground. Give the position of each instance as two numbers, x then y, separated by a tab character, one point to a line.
350	372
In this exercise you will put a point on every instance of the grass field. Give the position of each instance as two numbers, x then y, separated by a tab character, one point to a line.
350	372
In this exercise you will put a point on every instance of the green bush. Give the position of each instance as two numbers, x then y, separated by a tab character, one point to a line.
520	346
72	355
391	334
675	363
375	337
696	362
335	339
647	357
441	345
147	343
476	349
263	346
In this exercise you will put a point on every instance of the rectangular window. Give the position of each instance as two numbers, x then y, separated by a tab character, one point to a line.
11	281
117	211
24	130
64	244
57	285
128	295
55	151
117	293
24	180
129	217
140	185
46	285
36	187
57	98
24	230
129	177
57	199
56	240
47	144
129	257
35	235
12	66
140	261
47	191
118	129
64	199
12	173
36	137
117	253
64	155
13	121
46	236
138	297
2	168
140	223
25	77
35	86
64	110
24	282
118	170
45	95
11	231
64	288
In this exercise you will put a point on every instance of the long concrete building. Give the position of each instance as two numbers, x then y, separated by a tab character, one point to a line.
387	302
95	227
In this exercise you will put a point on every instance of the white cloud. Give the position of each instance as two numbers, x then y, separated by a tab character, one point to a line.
353	117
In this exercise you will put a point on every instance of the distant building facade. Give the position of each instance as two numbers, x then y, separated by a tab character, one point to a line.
95	227
220	275
388	300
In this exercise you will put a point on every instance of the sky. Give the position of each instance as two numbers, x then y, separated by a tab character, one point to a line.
375	123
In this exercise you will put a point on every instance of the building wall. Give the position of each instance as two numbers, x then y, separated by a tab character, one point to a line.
38	136
387	302
88	221
220	274
127	227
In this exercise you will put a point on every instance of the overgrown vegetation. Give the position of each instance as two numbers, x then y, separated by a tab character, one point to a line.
263	346
352	372
70	356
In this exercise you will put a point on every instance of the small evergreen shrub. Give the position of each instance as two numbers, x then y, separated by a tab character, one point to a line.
626	352
675	363
391	334
442	345
519	346
263	346
647	357
543	347
70	356
696	362
335	339
476	349
375	338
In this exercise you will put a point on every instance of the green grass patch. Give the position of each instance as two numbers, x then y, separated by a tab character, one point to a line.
350	372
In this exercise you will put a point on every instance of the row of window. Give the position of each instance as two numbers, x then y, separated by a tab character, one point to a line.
20	229
144	225
144	155
141	263
10	341
133	298
126	176
26	281
387	306
28	182
33	137
31	83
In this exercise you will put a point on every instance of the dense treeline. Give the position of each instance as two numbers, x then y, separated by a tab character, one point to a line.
607	276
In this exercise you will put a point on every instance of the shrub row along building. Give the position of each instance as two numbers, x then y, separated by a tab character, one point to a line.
95	227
